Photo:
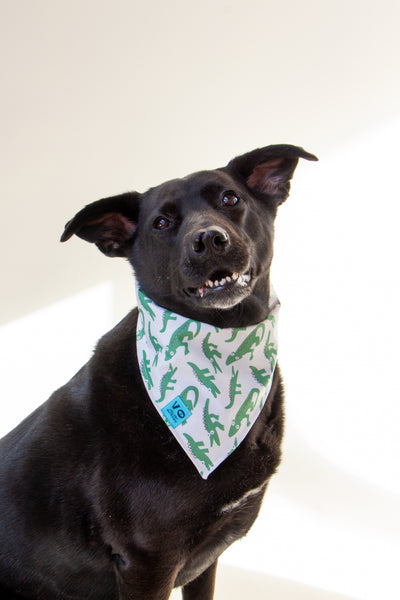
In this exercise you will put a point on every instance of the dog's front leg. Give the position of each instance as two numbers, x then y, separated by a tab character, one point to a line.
201	588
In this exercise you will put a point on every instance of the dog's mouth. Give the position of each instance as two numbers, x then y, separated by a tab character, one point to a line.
221	281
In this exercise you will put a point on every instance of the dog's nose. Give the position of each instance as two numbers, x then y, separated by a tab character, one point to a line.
213	239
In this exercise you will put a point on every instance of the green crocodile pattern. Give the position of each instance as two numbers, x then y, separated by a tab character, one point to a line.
222	377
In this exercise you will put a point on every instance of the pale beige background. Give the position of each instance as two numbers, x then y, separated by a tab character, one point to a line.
99	97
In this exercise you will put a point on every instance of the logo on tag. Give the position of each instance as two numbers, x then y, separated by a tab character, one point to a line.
176	412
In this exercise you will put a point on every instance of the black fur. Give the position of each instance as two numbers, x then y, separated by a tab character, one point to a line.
97	499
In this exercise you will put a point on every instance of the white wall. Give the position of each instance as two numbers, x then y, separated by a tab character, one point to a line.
99	97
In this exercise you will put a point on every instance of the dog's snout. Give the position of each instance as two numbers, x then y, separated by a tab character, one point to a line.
211	239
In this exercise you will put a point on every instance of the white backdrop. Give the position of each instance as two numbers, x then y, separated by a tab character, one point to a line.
99	97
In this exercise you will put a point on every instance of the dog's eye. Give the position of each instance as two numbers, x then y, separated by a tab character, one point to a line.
230	198
161	223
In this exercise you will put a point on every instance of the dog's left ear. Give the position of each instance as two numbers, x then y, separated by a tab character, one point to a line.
109	223
269	170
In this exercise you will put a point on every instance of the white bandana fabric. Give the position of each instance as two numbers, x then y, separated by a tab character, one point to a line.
208	384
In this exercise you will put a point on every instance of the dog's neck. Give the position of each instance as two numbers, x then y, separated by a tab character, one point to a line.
250	311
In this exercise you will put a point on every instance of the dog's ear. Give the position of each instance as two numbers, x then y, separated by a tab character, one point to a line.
109	223
269	170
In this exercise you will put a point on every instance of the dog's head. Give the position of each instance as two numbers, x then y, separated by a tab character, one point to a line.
201	245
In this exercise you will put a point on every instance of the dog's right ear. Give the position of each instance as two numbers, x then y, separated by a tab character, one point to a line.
268	171
109	223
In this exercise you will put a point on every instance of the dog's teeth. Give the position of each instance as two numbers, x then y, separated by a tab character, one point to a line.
201	292
228	279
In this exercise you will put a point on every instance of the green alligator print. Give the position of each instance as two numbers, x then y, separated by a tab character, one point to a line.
146	371
235	388
211	351
167	382
260	375
177	338
235	332
199	451
235	445
243	412
157	347
206	378
269	351
248	345
168	316
145	301
185	393
211	423
142	331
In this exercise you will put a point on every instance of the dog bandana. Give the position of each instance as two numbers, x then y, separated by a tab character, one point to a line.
208	384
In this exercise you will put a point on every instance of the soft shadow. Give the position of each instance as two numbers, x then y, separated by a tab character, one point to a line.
235	584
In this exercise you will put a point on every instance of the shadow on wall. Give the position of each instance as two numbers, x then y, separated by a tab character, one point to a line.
234	583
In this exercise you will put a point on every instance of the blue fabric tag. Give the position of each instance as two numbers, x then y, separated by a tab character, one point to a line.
176	412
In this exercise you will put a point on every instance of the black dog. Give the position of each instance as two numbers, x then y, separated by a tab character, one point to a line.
97	499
